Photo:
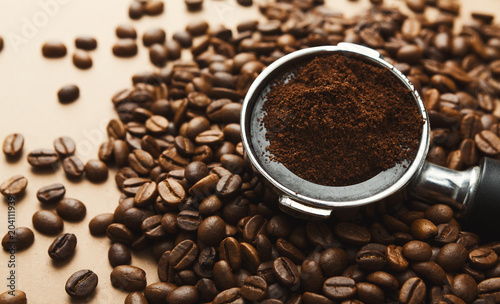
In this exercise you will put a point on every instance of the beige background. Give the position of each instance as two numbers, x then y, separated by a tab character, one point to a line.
28	104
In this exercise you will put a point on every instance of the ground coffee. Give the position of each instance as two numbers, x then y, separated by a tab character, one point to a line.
340	121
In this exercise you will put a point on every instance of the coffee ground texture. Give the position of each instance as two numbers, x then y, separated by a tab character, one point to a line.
339	121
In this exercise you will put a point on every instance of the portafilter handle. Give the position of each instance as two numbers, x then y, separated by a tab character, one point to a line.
475	191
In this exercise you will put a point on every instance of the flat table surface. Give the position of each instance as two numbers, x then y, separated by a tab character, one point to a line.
28	99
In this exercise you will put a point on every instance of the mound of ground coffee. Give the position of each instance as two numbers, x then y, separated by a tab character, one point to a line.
340	121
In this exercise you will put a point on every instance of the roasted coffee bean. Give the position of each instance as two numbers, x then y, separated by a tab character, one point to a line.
333	261
352	234
151	227
250	257
86	43
136	10
157	124
47	222
99	223
253	227
311	276
195	171
417	251
228	186
154	8
96	171
81	284
211	230
152	36
13	145
423	229
119	254
288	250
371	257
447	233
64	146
193	5
171	192
54	49
131	185
488	142
158	55
464	287
254	288
183	294
183	255
133	217
120	152
223	277
141	161
146	194
43	158
13	296
395	259
483	258
82	60
339	288
126	31
157	292
229	250
430	271
135	298
68	93
205	186
71	209
412	291
129	278
18	239
125	48
488	289
286	272
15	185
232	295
62	247
119	233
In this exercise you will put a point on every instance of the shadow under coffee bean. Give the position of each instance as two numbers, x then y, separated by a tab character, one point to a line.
338	120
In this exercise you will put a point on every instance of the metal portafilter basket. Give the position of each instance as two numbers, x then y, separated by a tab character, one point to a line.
475	191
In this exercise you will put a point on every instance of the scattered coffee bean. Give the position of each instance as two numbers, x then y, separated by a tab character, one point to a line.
13	145
154	8
81	284
71	209
126	31
86	43
51	194
73	167
15	185
43	158
13	296
54	49
62	247
68	93
18	239
96	171
82	59
64	146
99	223
125	48
129	278
152	36
47	222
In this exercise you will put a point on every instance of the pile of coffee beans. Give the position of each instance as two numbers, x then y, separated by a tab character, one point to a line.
190	196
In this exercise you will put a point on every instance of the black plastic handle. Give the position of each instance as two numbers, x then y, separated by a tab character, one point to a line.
483	210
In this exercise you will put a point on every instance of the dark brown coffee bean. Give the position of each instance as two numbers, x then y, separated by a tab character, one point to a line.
18	239
489	289
430	271
211	230
141	161
99	223
51	194
439	214
68	93
134	217
171	192
228	186
253	227
136	10
125	48
209	137
254	288
369	293
195	171
183	255
71	209
371	257
157	124
230	251
157	292
64	146
197	27
383	280
119	233
447	233
96	171
319	234
413	291
47	222
13	145
223	277
288	250
82	60
13	296
250	257
81	284
333	261
464	287
205	186
15	185
126	31
193	5
339	288
62	247
183	294
151	227
135	298
483	258
352	234
417	251
158	55
488	142
146	194
469	152
286	272
423	229
43	158
395	259
129	278
311	276
152	36
86	43
54	49
118	254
